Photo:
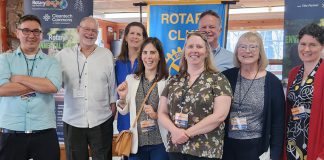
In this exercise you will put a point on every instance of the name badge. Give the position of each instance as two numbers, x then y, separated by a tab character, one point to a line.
238	123
298	113
148	125
28	95
181	120
78	93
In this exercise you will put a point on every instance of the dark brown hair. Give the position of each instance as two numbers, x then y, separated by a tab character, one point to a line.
123	56
28	17
162	71
212	13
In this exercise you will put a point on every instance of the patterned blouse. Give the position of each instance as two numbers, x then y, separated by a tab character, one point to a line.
197	102
297	132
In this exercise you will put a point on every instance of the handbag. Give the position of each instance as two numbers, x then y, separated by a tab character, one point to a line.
122	142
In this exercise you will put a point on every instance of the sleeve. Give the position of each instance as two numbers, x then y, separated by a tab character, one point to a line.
5	73
125	110
54	73
112	83
221	86
165	91
277	118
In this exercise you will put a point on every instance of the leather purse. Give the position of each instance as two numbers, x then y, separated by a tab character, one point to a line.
122	142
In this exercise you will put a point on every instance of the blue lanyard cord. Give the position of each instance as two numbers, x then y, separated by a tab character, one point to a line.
29	73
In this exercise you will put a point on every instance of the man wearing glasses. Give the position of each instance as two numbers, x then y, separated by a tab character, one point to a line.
28	79
90	95
210	25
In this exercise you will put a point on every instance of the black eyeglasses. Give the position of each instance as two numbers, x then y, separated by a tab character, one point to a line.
26	31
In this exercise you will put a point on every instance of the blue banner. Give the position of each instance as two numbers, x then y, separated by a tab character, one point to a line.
298	13
170	23
59	20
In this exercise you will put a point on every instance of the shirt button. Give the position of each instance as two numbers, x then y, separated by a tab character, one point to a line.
86	99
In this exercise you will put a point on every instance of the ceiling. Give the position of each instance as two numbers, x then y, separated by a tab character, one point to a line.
126	6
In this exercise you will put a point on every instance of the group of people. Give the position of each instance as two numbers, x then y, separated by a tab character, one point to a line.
221	105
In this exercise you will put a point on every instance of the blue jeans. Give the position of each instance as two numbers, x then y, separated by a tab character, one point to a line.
150	152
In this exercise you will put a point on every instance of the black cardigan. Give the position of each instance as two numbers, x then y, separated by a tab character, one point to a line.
274	112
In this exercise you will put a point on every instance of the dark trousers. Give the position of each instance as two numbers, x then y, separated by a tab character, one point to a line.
21	146
242	149
150	152
99	139
180	156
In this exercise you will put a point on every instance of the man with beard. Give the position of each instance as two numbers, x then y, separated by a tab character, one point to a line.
90	95
210	25
28	79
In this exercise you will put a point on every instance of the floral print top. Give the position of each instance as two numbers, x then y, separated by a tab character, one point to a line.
197	102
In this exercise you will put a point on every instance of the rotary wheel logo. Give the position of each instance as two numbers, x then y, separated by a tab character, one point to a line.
173	60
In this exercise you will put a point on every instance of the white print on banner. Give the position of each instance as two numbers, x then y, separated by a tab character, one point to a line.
58	18
49	5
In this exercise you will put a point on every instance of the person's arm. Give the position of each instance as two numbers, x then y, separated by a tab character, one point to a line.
113	108
13	89
8	88
178	135
42	85
221	108
277	118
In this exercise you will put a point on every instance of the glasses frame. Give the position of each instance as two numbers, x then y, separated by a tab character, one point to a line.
27	32
89	30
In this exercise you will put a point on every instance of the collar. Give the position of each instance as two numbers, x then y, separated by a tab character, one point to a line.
40	53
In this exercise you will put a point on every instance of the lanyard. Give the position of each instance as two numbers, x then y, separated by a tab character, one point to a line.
80	74
186	91
244	96
29	73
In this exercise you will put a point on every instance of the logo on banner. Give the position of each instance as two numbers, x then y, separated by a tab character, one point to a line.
58	18
49	4
46	17
78	5
173	60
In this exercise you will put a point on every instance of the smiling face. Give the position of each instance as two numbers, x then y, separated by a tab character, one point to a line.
135	38
88	32
210	26
195	51
248	52
29	43
150	57
310	49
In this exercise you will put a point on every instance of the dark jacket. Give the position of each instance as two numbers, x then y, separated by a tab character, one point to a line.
274	112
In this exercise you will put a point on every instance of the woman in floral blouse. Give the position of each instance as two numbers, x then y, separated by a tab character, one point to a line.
194	104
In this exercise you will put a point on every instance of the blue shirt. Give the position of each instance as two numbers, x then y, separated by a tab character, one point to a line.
223	59
34	113
124	68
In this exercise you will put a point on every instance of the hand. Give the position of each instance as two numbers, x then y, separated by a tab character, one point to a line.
148	109
178	136
122	90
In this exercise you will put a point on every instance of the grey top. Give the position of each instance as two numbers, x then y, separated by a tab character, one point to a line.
223	59
151	137
251	107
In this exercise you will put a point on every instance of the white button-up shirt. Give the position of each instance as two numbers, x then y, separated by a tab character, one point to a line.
97	81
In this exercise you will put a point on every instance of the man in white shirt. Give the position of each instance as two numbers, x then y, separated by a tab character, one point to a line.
90	95
210	24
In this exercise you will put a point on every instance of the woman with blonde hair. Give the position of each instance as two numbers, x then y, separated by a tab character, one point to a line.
194	104
255	125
